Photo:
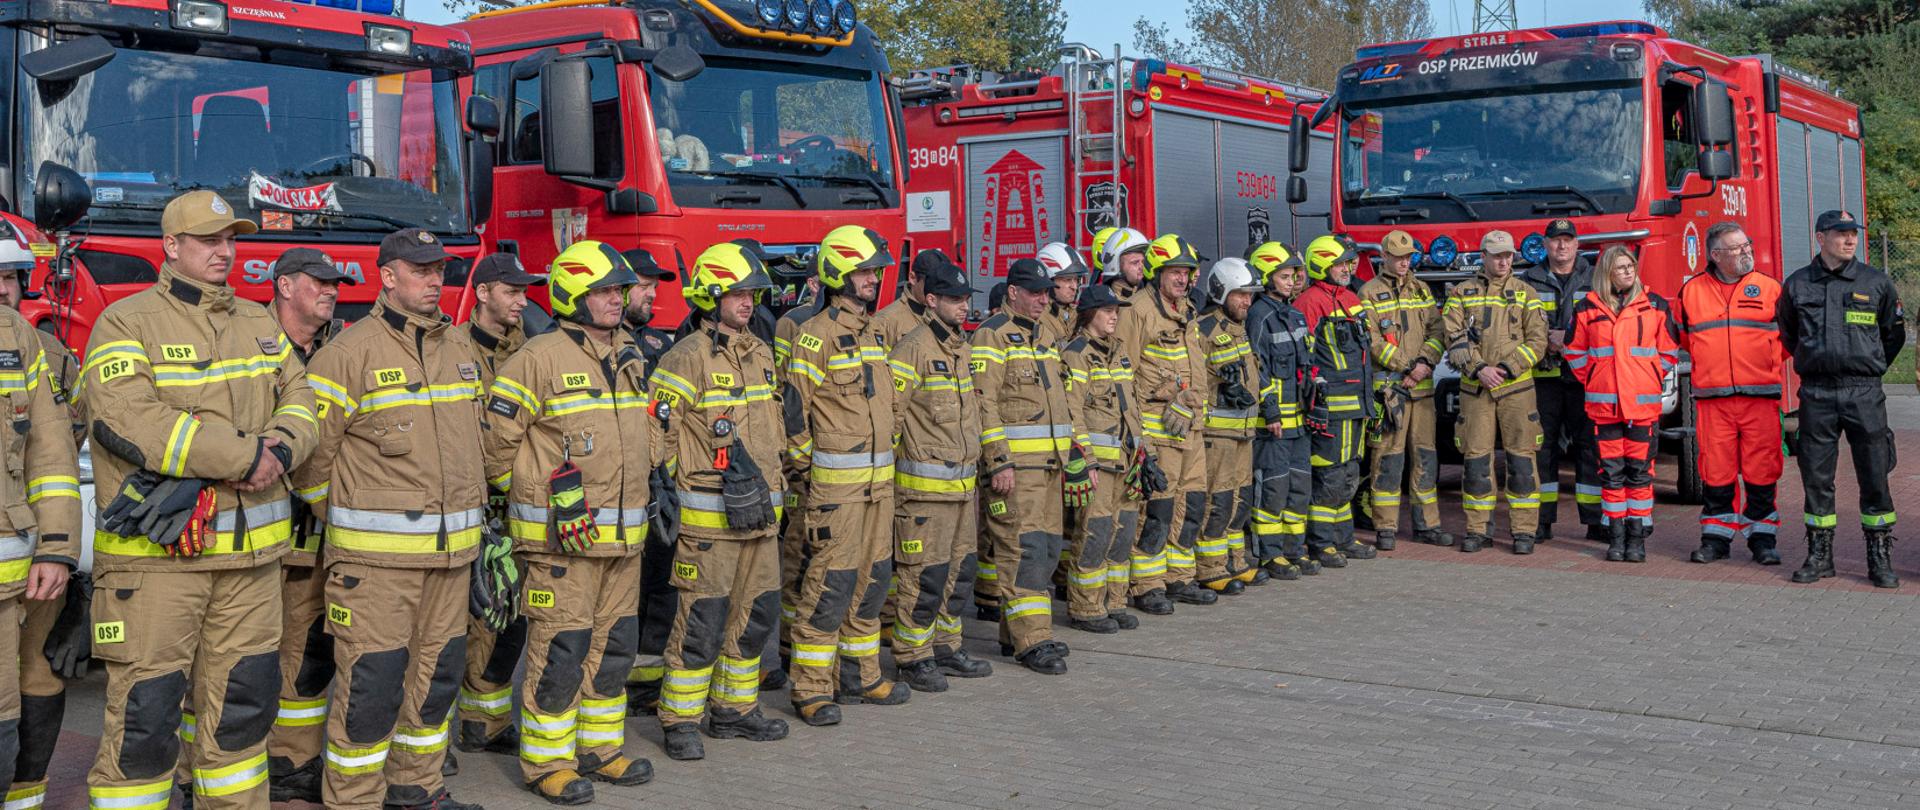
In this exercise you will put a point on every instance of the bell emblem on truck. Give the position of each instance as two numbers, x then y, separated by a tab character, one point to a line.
1014	221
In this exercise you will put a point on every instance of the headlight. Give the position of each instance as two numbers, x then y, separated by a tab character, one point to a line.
1443	251
844	17
822	16
1534	248
771	12
1419	253
797	14
389	39
200	15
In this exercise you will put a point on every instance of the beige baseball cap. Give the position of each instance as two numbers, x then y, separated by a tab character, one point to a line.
1496	243
202	213
1398	243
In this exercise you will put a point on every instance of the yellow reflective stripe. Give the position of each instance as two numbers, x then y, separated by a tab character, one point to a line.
1163	353
177	374
674	381
392	543
511	390
1078	375
923	484
179	442
145	796
301	412
228	780
1029	606
257	539
725	398
426	396
811	371
903	371
587	401
356	761
333	392
862	475
52	486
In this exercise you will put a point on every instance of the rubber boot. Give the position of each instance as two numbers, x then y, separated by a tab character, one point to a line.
1154	603
1474	542
819	713
1637	541
1433	537
683	742
1225	585
563	787
1046	658
285	782
1617	542
1125	620
723	724
1523	543
879	693
1819	564
1879	559
622	770
1717	548
960	665
474	740
923	676
1545	533
1762	547
1599	532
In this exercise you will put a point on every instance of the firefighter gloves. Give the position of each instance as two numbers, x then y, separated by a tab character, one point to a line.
1078	491
1144	477
174	513
493	595
744	491
70	644
573	527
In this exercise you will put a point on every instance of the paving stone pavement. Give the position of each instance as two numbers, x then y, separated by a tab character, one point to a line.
1425	679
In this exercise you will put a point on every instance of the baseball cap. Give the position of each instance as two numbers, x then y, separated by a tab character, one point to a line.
504	268
1836	221
1100	296
201	213
1496	243
1030	275
313	263
416	245
1398	243
997	297
645	266
1561	227
930	261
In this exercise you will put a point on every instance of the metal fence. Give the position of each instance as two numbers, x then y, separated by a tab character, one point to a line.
1901	260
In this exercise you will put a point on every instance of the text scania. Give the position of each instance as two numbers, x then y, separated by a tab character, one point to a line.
1483	62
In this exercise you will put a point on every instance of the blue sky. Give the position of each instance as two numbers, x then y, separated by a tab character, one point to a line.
1101	23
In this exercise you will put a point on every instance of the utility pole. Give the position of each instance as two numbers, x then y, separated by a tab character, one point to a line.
1494	15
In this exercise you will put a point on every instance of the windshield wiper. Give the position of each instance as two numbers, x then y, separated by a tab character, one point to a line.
846	180
1472	213
1592	204
394	221
771	179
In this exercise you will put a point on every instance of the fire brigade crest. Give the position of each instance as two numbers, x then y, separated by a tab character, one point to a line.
1104	203
1690	247
1259	227
1751	291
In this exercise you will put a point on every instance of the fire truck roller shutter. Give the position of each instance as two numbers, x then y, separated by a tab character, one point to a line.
1853	195
1016	201
1253	182
1823	164
1796	204
1186	188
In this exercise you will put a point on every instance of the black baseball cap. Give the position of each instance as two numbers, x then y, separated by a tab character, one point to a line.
942	277
417	245
313	263
997	297
929	261
1029	274
1100	296
644	265
1836	220
504	268
1561	227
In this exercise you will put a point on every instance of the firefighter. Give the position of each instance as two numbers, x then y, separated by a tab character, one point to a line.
1842	321
397	479
656	560
1561	282
934	482
44	607
1282	452
1233	383
793	525
909	312
1496	331
840	425
1031	459
1340	397
486	690
1163	346
194	614
1069	275
306	285
570	440
1406	345
714	397
653	343
1621	347
1728	326
1094	259
1123	261
1101	536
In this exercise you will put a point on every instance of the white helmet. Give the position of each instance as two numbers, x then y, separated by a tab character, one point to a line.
1121	241
1061	260
1230	275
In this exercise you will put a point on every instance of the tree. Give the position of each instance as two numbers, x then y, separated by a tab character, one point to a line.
1299	41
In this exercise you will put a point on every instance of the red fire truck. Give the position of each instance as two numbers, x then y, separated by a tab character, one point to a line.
1002	166
331	124
672	126
1638	138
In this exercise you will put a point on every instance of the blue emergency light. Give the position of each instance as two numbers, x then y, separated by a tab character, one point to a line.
392	8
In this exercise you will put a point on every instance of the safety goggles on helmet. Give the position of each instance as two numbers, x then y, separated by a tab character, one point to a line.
1061	261
1267	257
1099	239
1326	251
1170	250
849	249
583	267
721	269
1119	243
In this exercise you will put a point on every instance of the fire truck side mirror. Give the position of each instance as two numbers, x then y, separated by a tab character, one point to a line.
1712	114
1296	189
677	63
1298	144
479	180
566	118
60	197
68	60
1716	164
483	116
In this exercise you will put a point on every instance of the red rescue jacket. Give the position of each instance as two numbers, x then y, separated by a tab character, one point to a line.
1621	357
1731	332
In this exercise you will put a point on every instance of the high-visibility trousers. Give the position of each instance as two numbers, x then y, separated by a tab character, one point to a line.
848	565
726	603
306	670
1282	489
1740	455
1170	521
582	636
1626	471
1024	526
1222	549
931	543
486	686
43	704
1406	464
1336	477
1100	542
1511	424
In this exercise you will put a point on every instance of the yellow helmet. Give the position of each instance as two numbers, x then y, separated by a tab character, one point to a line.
1099	238
1326	251
1170	250
583	267
846	250
1267	257
721	269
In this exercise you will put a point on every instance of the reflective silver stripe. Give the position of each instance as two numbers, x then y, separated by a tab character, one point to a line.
1600	351
367	520
1741	390
937	470
705	502
606	517
18	546
1602	398
272	511
1642	351
1038	431
210	785
1103	440
345	762
852	461
158	796
1704	326
1232	413
1647	399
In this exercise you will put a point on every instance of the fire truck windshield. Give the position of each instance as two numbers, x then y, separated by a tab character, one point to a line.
1513	155
796	135
302	147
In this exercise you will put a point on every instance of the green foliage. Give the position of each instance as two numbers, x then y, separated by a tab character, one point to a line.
1003	35
1299	41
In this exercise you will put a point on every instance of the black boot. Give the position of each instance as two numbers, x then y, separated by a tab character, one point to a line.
1617	542
1191	594
1819	564
923	676
683	741
1763	550
987	613
1153	603
1329	557
1599	532
1879	561
286	783
1103	625
1637	541
621	770
725	724
1717	548
643	698
1433	537
474	739
1523	543
1125	620
1356	550
1384	540
1046	658
960	665
1474	542
438	801
1282	568
449	766
1545	533
1224	585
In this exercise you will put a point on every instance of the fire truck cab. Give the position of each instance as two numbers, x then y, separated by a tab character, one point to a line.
1638	138
1003	165
672	125
331	124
